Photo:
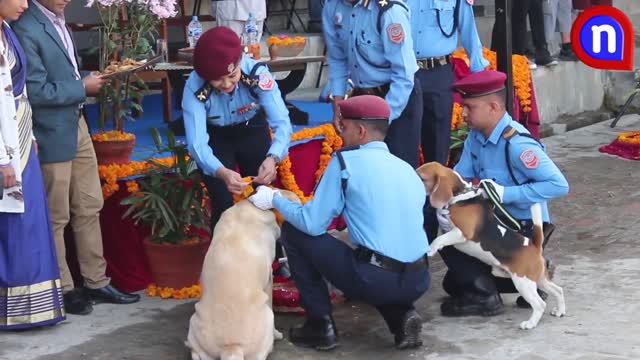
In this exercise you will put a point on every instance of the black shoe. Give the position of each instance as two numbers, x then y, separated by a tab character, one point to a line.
316	333
77	303
472	305
109	294
408	336
546	60
523	304
567	54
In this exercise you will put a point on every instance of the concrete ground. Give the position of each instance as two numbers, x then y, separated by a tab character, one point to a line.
594	247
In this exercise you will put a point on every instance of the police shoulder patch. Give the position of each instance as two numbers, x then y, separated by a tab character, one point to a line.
396	33
266	81
470	2
529	158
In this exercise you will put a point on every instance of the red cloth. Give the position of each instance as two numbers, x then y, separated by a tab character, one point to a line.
586	4
625	150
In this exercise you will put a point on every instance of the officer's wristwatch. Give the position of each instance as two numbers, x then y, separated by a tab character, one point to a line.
275	158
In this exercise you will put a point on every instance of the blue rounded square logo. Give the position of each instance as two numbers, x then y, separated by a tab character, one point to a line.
602	38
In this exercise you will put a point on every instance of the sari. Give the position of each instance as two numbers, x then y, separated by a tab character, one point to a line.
30	289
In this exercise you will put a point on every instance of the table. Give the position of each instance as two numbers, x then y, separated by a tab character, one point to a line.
178	71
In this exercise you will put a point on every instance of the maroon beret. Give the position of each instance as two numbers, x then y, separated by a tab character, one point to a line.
217	53
364	107
480	83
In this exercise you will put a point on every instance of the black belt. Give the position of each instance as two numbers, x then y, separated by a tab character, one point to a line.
434	62
374	258
257	123
380	91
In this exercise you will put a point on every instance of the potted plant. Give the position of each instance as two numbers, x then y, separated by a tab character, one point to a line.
129	27
172	203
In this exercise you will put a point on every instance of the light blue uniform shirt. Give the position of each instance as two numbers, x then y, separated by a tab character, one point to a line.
382	204
222	109
485	159
428	39
356	49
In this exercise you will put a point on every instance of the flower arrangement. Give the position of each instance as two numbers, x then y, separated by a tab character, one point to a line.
129	27
169	199
332	142
190	292
286	40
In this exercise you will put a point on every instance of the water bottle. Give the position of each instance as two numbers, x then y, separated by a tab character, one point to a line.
250	35
194	30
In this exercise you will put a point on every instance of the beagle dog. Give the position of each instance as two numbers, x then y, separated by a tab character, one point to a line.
477	233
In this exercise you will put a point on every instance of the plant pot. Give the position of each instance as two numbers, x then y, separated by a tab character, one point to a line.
113	151
176	266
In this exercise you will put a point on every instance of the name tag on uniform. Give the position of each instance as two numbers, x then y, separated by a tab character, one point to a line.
337	19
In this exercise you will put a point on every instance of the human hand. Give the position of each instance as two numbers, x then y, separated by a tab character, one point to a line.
9	175
263	198
93	83
444	220
233	180
266	172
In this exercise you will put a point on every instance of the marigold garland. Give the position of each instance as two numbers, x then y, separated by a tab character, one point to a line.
631	137
332	141
286	40
456	116
521	73
111	173
189	292
113	135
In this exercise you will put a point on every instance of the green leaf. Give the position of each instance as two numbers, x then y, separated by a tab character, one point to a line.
157	139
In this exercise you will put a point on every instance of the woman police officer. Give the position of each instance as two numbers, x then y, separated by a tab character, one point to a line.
229	104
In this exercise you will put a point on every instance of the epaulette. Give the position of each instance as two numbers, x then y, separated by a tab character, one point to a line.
252	80
385	5
204	92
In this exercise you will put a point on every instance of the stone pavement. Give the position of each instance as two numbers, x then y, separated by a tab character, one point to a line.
594	247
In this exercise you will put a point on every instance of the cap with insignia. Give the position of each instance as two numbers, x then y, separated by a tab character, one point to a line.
480	83
365	107
217	53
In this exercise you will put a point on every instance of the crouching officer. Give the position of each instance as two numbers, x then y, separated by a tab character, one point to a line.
388	268
229	103
503	155
370	42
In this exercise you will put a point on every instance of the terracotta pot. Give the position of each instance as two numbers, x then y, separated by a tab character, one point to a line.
176	266
113	151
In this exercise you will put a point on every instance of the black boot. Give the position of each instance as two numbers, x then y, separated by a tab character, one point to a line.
408	333
481	298
316	333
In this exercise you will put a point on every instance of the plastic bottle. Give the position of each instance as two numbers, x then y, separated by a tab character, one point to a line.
252	42
194	30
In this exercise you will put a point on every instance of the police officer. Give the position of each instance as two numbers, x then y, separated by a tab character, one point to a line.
229	102
502	153
370	42
436	26
388	268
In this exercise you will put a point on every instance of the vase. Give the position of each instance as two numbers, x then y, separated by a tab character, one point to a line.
176	265
113	151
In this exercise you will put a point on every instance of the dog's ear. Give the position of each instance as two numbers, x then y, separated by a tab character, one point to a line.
428	174
441	192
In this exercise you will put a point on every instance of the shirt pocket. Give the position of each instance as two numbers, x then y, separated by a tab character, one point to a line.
369	47
444	11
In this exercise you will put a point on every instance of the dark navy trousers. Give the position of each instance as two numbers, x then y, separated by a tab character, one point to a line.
403	136
315	258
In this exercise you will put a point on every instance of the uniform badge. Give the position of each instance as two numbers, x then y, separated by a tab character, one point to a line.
231	67
395	32
266	81
203	93
470	2
383	3
244	109
337	19
529	159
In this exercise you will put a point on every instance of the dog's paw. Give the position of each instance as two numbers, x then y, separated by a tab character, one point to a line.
277	335
527	325
557	312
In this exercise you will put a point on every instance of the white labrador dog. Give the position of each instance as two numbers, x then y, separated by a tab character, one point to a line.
234	318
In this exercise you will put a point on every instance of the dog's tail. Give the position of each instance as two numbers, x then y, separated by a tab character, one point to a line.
538	233
232	352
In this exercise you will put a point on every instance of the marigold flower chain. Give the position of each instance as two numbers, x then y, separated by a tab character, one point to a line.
190	292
